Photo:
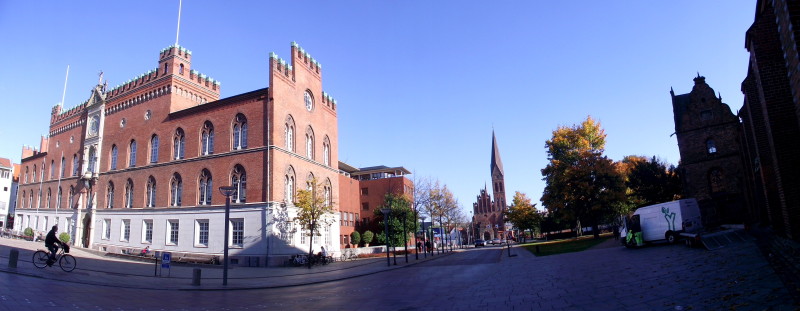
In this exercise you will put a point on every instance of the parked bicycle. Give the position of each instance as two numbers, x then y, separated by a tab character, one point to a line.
348	254
66	261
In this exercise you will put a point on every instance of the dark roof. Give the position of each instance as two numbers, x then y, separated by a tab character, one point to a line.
217	103
680	104
496	161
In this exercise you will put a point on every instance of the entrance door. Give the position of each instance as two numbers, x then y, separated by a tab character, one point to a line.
87	221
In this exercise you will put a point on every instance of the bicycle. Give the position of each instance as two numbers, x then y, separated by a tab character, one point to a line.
348	255
66	261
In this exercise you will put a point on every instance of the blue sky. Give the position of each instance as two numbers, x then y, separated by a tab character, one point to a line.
420	84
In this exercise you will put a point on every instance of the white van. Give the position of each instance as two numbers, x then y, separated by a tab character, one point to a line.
664	221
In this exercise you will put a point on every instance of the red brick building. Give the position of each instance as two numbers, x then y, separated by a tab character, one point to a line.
363	191
140	164
488	214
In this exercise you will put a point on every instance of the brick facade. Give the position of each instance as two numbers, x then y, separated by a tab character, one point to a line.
488	214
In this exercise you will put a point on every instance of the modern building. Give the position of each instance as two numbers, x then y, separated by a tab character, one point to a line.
362	191
7	188
141	164
488	218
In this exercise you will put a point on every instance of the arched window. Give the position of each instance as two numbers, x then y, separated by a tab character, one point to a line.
114	157
110	195
327	192
23	199
26	175
289	133
129	194
63	168
711	146
289	185
92	159
58	198
715	178
49	196
30	200
178	144
308	100
310	182
207	139
39	199
132	154
75	166
154	149
239	132
326	151
175	190
52	169
206	189
180	69
239	181
151	192
71	198
310	143
34	173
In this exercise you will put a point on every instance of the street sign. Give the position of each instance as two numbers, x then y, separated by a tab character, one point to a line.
165	259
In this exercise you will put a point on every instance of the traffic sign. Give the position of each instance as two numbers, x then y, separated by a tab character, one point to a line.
166	257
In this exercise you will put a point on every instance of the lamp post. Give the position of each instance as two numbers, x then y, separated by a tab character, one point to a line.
385	212
416	239
441	234
227	191
405	234
424	237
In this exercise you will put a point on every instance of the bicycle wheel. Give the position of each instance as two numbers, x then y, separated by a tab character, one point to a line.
67	263
40	259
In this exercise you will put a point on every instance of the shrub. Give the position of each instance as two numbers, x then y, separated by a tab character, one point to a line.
28	231
64	237
355	238
367	237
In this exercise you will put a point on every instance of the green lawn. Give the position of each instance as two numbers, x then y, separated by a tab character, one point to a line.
564	246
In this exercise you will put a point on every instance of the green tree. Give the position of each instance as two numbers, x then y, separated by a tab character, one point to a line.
523	214
580	183
64	237
367	237
400	208
314	209
355	238
650	181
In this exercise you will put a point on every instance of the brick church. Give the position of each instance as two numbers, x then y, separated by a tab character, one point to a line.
488	214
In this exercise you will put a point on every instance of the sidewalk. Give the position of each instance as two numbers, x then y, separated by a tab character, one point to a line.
94	268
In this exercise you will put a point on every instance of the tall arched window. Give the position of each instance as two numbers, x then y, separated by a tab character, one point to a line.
178	144
327	192
239	181
63	168
180	69
58	198
92	159
154	149
711	146
129	194
239	132
207	139
26	175
310	143
715	179
175	190
289	185
326	151
114	153
34	173
23	199
206	189
71	197
151	192
52	169
289	133
110	195
75	166
30	200
39	199
132	154
49	197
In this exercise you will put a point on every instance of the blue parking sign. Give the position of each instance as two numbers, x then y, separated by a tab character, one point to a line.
165	259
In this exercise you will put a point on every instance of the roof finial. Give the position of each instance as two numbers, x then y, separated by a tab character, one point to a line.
719	94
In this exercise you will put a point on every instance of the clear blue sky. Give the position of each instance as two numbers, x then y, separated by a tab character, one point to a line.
420	84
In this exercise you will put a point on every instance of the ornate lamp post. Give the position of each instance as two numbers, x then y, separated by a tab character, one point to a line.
385	212
227	191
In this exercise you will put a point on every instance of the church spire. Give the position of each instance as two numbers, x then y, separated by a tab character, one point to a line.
496	162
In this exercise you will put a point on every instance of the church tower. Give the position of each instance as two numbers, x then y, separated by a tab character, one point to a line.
488	219
498	180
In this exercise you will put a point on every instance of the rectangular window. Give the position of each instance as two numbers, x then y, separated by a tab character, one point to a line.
106	229
237	232
201	233
365	206
341	219
125	230
147	233
172	233
364	191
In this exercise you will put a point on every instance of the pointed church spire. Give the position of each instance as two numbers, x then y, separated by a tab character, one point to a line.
496	162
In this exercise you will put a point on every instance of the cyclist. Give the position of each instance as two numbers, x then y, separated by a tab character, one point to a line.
52	243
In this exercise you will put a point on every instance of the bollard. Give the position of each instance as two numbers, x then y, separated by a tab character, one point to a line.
12	258
196	277
537	249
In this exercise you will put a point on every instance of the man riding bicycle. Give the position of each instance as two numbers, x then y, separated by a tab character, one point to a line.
52	243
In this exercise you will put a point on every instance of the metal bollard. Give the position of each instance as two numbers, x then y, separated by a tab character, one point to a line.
12	258
196	276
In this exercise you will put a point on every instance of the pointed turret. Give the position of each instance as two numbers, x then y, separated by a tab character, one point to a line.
496	162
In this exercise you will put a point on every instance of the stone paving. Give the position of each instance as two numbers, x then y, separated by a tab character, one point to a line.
608	277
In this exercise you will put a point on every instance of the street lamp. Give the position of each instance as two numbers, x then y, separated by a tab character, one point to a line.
227	191
385	212
88	182
424	237
416	239
405	234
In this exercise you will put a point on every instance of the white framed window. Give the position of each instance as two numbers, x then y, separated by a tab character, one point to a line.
201	233
106	229
239	132
206	189
172	232
125	230
237	232
147	232
239	181
207	139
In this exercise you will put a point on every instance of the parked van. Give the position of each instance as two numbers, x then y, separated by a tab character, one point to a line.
663	221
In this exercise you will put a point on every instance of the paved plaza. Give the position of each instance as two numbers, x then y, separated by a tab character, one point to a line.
661	277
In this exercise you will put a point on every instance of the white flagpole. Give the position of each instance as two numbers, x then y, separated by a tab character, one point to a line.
177	33
64	94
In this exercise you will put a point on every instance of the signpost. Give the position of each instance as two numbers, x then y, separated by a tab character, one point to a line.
166	257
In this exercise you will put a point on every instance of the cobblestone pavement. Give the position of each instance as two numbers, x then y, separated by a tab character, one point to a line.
665	277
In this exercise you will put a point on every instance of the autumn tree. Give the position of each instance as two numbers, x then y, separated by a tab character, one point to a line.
580	183
315	209
650	181
400	208
523	214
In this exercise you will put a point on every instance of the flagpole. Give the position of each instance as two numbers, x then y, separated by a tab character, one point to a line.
64	94
180	4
